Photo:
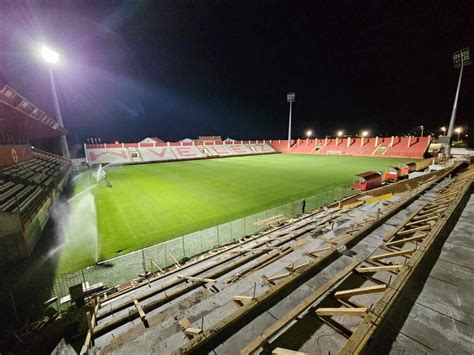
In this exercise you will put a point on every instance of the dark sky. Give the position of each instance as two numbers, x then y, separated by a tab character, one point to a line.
178	68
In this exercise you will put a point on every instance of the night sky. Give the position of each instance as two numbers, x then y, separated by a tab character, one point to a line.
176	69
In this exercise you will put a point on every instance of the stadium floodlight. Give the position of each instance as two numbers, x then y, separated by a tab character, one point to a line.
461	59
49	56
340	133
365	133
443	129
309	133
458	130
290	98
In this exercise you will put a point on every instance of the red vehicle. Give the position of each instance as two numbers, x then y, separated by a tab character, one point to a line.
368	181
392	174
407	169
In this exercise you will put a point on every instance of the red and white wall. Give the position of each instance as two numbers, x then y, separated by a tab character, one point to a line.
170	151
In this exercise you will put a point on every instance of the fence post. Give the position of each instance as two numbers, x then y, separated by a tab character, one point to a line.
143	260
184	250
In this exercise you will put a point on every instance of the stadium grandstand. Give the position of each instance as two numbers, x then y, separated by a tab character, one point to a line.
30	179
149	150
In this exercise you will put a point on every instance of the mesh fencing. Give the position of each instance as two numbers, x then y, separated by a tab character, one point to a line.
130	266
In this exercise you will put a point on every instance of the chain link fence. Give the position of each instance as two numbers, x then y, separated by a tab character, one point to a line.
163	255
124	268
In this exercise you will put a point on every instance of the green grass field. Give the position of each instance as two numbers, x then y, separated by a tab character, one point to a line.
152	203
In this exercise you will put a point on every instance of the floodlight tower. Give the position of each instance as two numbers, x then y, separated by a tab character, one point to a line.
290	98
461	59
51	57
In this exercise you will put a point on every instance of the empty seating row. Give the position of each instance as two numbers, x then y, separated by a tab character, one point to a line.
23	186
408	147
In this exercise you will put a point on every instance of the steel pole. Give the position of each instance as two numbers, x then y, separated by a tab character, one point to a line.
289	127
453	113
59	118
422	129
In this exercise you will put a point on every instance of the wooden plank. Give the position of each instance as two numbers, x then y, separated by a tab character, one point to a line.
87	344
192	331
296	268
413	230
391	255
426	215
156	265
278	277
361	291
370	269
243	298
282	351
267	281
139	308
422	220
184	324
407	240
195	278
178	265
341	311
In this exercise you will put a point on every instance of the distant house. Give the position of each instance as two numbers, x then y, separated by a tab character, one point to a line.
152	140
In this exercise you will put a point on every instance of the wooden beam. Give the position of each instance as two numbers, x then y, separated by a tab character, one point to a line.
422	220
184	324
341	311
361	291
267	281
413	230
391	255
282	351
139	308
178	265
370	269
156	265
87	344
278	277
296	268
407	240
192	331
195	278
426	215
241	299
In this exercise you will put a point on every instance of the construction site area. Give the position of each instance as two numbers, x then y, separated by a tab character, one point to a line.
388	270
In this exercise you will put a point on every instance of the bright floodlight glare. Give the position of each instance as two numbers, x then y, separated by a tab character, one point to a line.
49	55
309	133
340	133
443	129
365	134
458	130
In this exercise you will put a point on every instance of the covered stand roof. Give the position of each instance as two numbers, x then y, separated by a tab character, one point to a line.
368	174
18	116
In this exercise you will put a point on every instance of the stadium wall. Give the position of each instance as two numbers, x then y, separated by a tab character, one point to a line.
133	153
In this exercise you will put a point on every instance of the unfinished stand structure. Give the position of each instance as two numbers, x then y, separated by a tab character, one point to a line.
267	283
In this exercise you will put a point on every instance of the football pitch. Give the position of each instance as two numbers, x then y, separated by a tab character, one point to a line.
150	203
